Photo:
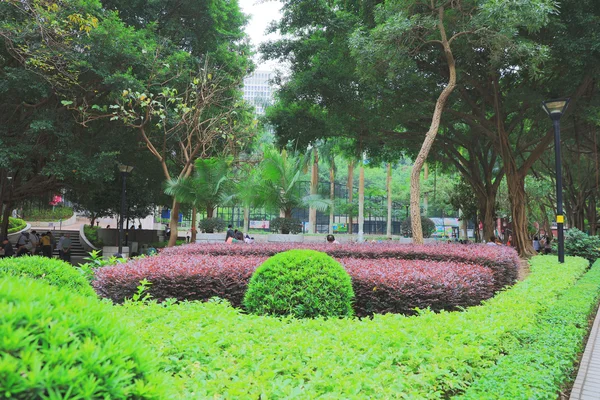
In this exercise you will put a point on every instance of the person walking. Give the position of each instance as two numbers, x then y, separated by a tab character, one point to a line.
66	248
59	246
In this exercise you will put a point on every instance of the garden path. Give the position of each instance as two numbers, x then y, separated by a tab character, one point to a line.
587	383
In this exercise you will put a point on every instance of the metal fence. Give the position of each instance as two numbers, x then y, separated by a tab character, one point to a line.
375	213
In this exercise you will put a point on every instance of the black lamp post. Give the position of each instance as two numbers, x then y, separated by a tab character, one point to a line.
555	109
125	170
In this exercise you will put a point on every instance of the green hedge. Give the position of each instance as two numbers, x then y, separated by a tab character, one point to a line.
544	359
55	272
55	214
15	224
217	351
302	283
91	233
57	344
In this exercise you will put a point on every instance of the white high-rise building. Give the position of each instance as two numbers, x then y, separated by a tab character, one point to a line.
258	90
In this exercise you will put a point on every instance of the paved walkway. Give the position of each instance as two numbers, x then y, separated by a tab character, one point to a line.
587	384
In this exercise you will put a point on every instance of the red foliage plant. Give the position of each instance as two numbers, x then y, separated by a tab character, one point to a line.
399	286
502	260
383	282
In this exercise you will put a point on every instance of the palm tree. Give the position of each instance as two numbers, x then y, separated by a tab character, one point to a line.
279	184
206	188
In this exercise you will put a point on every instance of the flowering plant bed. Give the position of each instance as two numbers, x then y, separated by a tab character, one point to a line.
384	285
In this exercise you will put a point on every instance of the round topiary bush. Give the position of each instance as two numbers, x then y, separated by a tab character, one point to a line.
55	272
59	344
301	283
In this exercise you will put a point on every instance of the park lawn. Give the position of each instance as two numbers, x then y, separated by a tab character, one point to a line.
216	351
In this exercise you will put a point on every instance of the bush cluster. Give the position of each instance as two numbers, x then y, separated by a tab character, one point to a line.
301	283
54	272
59	344
380	285
91	233
580	244
427	225
218	351
212	225
50	214
286	225
400	286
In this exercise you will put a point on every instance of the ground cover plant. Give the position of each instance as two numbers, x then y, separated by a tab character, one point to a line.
55	343
543	361
215	350
54	272
381	285
53	214
301	283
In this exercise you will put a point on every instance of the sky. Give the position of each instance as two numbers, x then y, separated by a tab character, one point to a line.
261	14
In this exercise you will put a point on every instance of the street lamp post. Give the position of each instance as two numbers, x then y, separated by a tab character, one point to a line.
125	170
555	110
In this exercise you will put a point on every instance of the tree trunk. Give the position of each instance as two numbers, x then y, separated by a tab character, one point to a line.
314	189
5	216
210	211
174	223
592	215
246	219
350	188
194	227
516	187
389	201
331	194
486	209
415	176
361	202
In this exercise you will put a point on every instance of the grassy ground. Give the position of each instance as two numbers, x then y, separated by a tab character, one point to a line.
216	351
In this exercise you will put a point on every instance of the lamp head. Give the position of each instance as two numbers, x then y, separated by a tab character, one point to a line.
555	108
126	169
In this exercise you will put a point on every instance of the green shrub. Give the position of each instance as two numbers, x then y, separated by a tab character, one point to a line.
55	272
286	225
212	225
580	244
302	283
59	344
51	214
427	225
15	224
91	233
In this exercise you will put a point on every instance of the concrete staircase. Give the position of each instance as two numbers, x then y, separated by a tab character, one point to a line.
77	250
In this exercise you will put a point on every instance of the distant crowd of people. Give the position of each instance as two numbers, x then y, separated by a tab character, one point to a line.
31	244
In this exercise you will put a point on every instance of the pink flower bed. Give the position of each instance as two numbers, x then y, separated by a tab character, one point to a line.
381	283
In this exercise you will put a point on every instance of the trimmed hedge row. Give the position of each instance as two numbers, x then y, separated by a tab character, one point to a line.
543	361
194	277
217	351
54	272
380	286
55	343
502	260
400	286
